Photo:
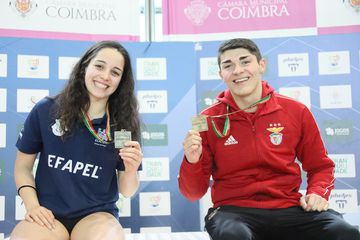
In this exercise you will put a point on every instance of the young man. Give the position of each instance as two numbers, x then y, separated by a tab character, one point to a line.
250	148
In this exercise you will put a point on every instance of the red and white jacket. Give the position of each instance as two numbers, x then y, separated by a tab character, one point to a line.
254	165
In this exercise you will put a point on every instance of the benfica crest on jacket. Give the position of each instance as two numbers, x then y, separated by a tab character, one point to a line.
275	136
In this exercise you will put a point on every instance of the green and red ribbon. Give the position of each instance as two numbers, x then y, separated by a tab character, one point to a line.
91	129
226	130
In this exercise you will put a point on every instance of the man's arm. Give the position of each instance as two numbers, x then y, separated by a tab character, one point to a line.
315	161
196	166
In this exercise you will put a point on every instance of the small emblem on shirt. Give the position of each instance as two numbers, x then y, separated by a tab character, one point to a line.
56	128
230	141
102	134
275	136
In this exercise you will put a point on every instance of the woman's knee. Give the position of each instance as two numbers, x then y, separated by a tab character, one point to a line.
98	226
25	230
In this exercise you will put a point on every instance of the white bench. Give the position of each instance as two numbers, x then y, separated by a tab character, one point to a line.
166	236
169	236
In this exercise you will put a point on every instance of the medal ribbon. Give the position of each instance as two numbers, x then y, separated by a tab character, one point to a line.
91	129
226	129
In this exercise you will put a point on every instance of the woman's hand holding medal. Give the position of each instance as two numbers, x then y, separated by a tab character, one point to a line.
132	155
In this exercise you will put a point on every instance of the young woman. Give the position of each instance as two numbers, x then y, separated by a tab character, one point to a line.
80	172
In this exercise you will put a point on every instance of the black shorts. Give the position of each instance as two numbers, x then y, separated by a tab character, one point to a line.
69	223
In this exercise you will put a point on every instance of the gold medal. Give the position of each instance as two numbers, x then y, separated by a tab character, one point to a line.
199	123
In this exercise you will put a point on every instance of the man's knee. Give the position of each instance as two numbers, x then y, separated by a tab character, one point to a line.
343	231
229	231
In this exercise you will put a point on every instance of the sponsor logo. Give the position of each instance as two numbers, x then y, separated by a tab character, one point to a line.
152	101
155	135
208	98
301	94
197	12
293	64
338	96
344	165
334	62
74	167
27	98
209	69
3	65
275	136
337	131
65	66
2	135
155	169
151	68
3	99
344	200
154	203
2	208
230	141
31	66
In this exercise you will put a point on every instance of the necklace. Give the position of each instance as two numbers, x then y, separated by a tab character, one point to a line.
89	126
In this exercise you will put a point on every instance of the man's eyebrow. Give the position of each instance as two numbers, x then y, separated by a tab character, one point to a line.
240	58
226	61
243	57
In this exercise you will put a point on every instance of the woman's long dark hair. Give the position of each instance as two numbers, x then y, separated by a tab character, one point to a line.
123	105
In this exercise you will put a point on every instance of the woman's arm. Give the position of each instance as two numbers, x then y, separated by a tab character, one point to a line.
128	180
23	176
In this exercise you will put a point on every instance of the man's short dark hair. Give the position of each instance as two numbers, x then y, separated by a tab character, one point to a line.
239	43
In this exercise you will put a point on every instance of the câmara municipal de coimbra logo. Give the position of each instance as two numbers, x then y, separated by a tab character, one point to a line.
197	12
23	7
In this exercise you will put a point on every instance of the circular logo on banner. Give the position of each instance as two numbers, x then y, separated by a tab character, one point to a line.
354	4
23	7
197	12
